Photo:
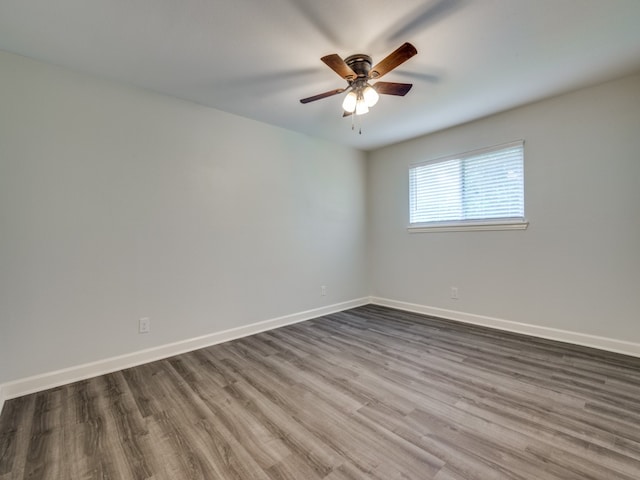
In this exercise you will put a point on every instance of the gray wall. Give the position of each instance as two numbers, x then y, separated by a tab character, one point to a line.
576	268
117	203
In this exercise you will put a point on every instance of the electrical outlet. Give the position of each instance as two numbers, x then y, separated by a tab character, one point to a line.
323	290
144	325
454	293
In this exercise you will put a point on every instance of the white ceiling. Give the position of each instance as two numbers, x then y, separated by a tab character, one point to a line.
257	58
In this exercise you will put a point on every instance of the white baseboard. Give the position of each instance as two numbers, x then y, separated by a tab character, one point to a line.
56	378
602	343
37	383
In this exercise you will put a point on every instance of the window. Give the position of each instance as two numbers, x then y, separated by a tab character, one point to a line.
479	190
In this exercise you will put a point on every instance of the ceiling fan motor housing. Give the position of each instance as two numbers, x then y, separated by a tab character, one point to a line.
360	64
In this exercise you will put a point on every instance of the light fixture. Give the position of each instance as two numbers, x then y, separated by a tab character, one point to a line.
370	95
361	97
361	107
350	101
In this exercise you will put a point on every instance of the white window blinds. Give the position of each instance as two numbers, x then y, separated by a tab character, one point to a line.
483	185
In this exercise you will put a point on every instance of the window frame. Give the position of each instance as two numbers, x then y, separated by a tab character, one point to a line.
505	223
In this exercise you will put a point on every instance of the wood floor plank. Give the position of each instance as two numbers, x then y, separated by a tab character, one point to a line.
348	471
15	433
369	393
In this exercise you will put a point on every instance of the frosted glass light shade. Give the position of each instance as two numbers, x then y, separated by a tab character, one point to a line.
361	107
349	103
370	96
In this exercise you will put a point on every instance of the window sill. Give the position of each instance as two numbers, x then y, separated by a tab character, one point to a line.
467	226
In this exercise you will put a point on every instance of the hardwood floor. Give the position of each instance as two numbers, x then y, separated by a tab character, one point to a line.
370	393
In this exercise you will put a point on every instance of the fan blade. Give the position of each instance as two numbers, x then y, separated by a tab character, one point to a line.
391	61
392	88
322	95
346	114
335	63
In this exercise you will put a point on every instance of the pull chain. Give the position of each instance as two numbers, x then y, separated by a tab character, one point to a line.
356	122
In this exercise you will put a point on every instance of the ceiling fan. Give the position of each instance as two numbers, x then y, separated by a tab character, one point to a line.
357	71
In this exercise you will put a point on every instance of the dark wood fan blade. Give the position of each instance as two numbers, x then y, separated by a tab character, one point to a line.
322	95
335	63
346	114
392	88
391	61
